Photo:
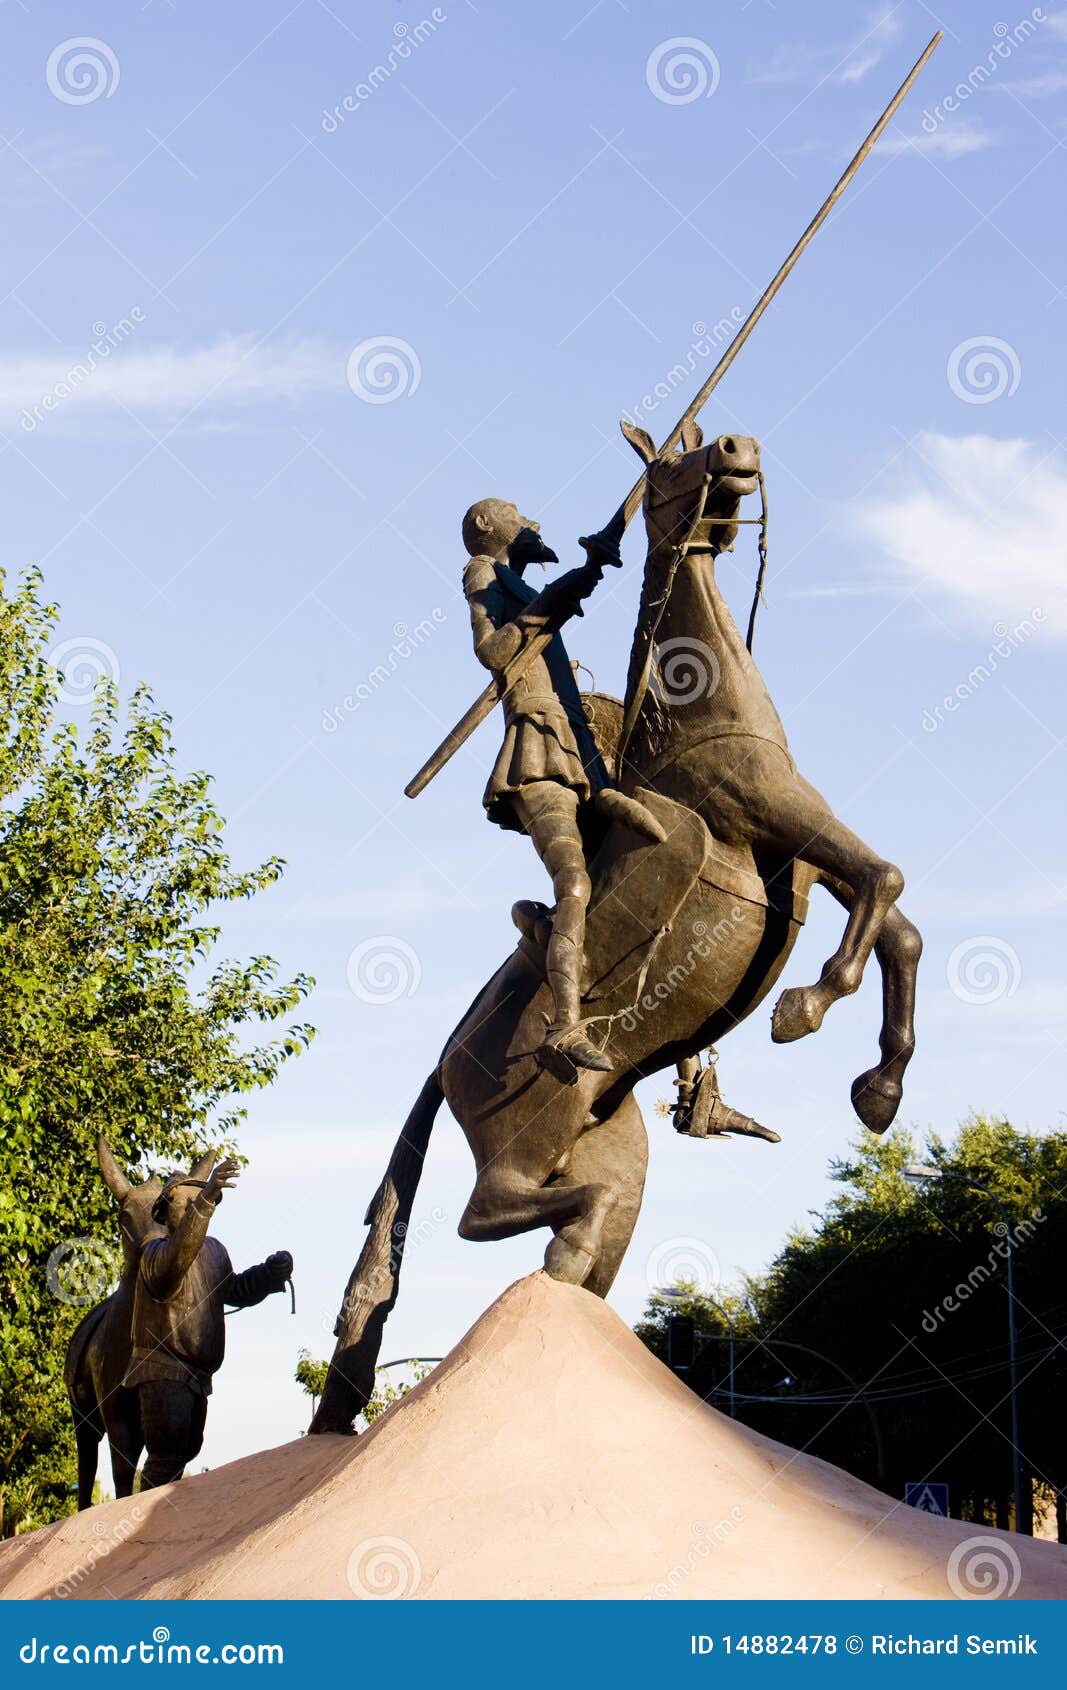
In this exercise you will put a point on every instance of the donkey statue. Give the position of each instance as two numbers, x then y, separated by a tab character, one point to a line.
685	937
98	1354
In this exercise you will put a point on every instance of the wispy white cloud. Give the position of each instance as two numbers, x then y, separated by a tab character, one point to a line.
233	371
954	141
1037	87
980	521
842	61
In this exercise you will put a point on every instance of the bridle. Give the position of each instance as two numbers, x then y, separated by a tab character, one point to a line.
685	549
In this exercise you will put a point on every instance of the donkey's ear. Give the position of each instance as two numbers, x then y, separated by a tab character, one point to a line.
692	436
202	1169
641	441
114	1178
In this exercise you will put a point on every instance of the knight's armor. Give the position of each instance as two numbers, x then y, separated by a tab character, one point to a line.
547	736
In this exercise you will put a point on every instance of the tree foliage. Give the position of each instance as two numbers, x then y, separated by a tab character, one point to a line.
115	1014
878	1337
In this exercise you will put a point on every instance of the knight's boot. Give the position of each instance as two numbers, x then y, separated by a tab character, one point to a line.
565	1048
629	812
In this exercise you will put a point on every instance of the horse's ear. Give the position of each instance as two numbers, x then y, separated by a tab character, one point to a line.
692	436
641	441
114	1178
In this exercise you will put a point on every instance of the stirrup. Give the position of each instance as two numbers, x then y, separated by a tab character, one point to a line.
565	1052
700	1111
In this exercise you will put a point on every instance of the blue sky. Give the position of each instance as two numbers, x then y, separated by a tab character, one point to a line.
238	500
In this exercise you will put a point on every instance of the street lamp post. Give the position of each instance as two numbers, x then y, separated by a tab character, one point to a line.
917	1172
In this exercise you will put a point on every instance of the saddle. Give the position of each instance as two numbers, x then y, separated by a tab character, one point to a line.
640	884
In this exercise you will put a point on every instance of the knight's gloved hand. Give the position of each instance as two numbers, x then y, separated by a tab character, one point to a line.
563	596
280	1267
602	549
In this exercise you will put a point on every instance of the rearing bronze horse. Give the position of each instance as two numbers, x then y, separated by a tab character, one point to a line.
685	937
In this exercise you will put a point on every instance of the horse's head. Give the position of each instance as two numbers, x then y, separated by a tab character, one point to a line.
136	1222
695	494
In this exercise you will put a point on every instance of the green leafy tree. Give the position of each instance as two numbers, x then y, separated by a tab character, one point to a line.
115	1015
311	1374
878	1336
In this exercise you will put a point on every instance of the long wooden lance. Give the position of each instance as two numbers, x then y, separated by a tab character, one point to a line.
487	701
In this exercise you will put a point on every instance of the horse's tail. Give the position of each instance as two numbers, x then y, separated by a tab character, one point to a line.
372	1287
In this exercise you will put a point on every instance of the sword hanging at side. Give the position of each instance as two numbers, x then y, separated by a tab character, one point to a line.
487	701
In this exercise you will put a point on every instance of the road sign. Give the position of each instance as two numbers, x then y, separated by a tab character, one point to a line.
928	1497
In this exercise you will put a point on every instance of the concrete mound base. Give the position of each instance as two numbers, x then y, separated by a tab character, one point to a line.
550	1455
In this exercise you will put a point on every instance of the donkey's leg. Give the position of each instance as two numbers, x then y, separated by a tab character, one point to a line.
87	1434
805	825
876	1093
126	1439
505	1202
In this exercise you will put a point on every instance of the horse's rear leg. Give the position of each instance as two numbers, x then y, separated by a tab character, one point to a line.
505	1202
814	835
876	1093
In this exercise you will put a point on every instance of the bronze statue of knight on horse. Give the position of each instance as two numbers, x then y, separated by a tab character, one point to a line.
693	879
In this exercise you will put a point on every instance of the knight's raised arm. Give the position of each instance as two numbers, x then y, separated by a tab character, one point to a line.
499	636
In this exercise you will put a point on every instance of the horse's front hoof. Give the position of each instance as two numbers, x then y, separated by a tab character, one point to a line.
567	1262
876	1100
794	1016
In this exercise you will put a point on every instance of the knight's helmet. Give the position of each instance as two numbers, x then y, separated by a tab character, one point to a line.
695	489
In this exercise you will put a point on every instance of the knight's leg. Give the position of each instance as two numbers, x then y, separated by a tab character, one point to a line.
549	814
803	824
876	1093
